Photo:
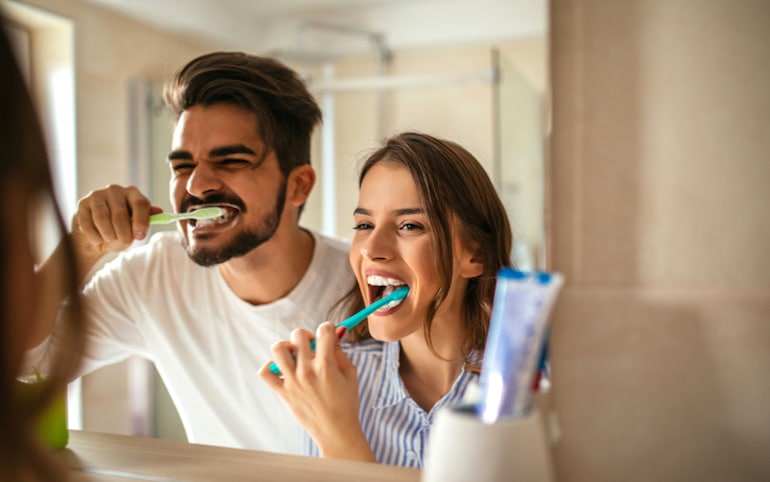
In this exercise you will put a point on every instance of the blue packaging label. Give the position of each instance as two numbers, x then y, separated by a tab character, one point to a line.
517	333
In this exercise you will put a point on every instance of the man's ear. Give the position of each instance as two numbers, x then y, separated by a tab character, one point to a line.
299	184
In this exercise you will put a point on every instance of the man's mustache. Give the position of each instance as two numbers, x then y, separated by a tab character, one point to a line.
191	201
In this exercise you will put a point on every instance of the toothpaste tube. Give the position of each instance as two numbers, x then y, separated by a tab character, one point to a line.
516	339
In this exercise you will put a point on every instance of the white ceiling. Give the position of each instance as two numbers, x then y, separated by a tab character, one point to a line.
265	25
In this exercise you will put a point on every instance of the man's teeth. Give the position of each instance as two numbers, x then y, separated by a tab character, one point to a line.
210	222
228	214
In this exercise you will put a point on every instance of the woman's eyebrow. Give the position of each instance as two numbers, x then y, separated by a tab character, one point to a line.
397	212
407	211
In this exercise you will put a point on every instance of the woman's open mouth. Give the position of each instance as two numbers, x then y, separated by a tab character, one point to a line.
380	286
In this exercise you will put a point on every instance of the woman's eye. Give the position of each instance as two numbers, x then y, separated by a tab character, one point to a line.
411	227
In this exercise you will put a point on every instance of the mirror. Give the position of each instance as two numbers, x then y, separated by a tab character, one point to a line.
472	72
482	96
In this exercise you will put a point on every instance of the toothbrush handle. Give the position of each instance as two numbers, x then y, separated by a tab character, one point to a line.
162	218
357	318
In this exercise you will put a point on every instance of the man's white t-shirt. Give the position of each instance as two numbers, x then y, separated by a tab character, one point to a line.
207	343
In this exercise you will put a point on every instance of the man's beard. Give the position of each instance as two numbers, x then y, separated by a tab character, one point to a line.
244	241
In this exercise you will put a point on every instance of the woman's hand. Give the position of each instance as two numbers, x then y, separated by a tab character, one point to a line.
321	391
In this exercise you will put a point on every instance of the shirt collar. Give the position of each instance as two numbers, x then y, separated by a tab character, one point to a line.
392	388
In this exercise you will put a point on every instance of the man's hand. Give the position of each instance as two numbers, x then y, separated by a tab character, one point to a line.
108	220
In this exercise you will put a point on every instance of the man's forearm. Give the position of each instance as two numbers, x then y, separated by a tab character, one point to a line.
52	276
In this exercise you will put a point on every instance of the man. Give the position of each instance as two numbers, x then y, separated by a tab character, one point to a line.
206	303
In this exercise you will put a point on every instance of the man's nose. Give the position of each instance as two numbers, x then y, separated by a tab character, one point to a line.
202	181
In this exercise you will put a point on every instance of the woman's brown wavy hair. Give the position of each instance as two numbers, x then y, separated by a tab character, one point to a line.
456	192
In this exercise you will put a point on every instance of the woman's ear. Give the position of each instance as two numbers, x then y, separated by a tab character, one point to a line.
300	184
471	264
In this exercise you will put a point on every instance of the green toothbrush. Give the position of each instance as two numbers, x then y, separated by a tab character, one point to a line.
205	213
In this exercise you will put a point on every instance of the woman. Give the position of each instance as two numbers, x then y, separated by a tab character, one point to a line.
428	217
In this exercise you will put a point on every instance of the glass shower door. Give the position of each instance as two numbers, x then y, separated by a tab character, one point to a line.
520	173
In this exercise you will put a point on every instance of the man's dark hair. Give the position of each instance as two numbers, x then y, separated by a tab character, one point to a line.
286	111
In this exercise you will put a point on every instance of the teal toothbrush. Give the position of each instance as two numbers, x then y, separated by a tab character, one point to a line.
351	322
205	213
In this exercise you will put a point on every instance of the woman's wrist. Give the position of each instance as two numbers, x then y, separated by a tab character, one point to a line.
348	448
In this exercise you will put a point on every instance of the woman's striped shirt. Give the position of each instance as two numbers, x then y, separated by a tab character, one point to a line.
395	426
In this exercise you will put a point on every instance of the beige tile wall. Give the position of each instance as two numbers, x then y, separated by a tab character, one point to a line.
109	50
460	111
660	161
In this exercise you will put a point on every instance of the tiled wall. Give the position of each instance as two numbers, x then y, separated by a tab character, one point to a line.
659	171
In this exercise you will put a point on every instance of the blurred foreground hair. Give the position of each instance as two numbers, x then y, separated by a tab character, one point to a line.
25	181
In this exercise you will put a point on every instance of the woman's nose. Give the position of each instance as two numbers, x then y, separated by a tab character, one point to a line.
379	245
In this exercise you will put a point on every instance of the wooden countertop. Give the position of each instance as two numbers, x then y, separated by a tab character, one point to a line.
99	457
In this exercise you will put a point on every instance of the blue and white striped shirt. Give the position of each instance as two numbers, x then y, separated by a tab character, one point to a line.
396	427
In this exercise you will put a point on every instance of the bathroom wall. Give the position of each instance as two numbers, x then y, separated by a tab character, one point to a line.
109	50
658	200
461	105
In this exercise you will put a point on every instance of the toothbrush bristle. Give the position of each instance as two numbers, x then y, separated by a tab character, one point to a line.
210	212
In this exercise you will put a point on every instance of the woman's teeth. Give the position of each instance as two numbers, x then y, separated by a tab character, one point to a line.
375	280
380	286
391	304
